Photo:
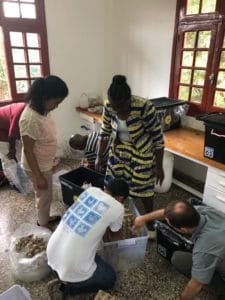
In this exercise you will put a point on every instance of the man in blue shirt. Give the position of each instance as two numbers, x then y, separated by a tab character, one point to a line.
206	228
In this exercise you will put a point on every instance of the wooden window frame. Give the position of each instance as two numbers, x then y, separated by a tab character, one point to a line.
38	26
181	19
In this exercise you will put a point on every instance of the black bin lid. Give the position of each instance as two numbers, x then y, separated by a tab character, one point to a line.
164	102
215	118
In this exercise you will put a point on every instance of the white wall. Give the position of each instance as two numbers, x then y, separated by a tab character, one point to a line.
191	122
138	43
91	40
76	49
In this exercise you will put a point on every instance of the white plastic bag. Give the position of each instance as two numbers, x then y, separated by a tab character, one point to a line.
16	175
29	268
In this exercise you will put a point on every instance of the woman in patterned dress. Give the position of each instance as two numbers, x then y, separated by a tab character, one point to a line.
136	152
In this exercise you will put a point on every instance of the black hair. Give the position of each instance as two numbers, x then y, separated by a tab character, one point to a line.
182	214
118	187
44	89
119	90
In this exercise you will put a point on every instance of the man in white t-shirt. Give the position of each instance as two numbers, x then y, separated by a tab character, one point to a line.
72	248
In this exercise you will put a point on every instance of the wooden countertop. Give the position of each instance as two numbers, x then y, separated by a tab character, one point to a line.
185	142
189	143
96	117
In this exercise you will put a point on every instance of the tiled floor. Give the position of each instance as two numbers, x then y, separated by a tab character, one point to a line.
156	279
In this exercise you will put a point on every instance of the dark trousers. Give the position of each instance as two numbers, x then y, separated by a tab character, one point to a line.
182	261
103	278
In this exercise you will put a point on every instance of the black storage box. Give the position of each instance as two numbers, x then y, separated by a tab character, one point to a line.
170	111
168	240
71	183
214	143
214	135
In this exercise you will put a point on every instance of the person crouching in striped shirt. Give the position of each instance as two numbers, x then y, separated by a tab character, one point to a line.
88	144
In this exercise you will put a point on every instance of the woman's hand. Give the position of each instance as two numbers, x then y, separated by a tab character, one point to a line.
98	163
41	182
159	174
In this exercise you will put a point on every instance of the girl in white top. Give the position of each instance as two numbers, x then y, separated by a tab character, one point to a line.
38	135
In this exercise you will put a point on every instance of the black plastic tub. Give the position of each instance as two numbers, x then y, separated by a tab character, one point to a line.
170	111
72	182
169	241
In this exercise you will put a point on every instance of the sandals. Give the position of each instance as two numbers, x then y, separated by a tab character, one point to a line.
52	220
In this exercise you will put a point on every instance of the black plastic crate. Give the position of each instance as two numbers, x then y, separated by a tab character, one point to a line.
170	111
213	118
214	143
214	135
71	183
169	241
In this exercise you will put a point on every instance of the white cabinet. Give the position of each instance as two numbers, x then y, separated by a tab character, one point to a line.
214	192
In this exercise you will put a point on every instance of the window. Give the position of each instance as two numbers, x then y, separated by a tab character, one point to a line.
198	62
23	46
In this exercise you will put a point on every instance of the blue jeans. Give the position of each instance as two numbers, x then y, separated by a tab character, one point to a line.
103	278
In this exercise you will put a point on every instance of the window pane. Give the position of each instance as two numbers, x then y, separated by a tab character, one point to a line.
201	59
199	77
204	39
35	71
16	39
187	59
21	86
185	76
193	7
183	92
189	39
32	40
20	71
31	1
18	55
208	6
34	56
4	84
11	10
219	99
222	60
28	11
221	80
196	95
